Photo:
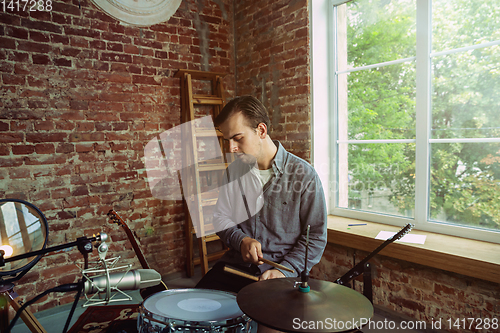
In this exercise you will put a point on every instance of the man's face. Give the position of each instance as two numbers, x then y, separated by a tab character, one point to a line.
244	141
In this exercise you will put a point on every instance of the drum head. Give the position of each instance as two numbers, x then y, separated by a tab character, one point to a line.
193	305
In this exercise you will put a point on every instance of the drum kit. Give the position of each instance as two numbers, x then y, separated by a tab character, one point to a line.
285	304
276	303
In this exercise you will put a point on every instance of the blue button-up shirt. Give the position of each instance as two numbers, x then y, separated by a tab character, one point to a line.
279	213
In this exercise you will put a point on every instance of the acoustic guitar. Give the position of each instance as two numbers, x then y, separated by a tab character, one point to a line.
115	218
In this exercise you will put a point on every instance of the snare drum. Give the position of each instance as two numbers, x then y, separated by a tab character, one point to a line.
191	310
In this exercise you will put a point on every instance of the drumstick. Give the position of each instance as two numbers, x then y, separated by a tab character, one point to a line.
272	263
240	273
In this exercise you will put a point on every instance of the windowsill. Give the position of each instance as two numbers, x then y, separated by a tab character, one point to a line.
455	254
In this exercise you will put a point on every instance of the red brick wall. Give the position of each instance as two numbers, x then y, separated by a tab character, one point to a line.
417	291
81	97
273	58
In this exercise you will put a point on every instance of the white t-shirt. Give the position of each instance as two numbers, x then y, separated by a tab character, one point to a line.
264	175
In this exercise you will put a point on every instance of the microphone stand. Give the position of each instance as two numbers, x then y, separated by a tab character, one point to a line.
84	245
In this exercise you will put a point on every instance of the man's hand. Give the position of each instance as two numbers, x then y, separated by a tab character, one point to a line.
251	250
271	274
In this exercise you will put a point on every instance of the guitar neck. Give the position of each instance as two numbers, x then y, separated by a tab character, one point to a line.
136	247
118	220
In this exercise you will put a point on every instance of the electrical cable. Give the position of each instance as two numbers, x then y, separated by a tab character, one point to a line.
73	307
78	294
62	288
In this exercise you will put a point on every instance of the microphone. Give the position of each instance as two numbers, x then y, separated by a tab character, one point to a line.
131	280
104	278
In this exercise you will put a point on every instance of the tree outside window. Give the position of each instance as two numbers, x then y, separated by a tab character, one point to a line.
376	69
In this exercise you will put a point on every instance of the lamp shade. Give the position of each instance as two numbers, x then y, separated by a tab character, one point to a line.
23	229
139	12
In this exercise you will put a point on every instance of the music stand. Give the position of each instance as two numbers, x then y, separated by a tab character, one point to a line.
364	267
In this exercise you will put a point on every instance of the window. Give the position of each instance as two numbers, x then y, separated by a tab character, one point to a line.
415	113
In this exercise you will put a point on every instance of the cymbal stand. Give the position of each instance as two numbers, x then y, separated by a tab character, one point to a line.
304	276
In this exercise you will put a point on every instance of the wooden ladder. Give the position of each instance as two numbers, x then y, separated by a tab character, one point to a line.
201	170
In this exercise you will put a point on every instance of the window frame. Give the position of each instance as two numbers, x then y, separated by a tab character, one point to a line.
324	104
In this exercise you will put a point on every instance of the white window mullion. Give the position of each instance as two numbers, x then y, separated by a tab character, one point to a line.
360	142
334	107
423	111
322	35
465	140
466	48
341	106
379	65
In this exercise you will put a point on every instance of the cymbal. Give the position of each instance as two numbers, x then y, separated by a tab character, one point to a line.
327	307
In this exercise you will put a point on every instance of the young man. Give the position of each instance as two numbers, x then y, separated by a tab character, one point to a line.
270	198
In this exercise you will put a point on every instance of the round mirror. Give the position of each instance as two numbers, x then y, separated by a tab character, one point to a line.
23	229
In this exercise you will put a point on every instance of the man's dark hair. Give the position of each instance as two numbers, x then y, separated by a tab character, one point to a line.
253	110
